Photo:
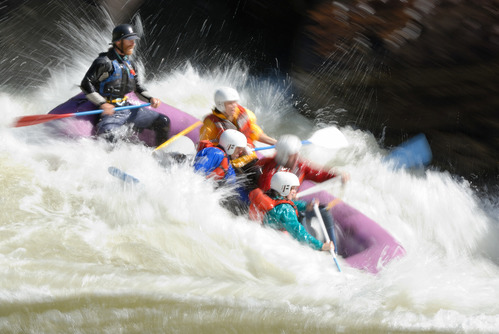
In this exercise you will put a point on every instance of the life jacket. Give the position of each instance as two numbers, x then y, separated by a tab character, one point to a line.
119	83
221	171
242	123
261	203
244	160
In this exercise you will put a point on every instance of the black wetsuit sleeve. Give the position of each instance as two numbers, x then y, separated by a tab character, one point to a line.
140	90
98	71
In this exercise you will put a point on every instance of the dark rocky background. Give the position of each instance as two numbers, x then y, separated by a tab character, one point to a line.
400	68
395	68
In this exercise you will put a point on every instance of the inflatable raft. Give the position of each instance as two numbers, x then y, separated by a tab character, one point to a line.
361	241
84	126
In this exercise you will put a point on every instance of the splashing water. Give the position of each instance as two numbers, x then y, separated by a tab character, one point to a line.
82	252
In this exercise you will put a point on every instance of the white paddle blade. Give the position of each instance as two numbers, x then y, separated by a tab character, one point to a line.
177	151
326	185
329	137
182	145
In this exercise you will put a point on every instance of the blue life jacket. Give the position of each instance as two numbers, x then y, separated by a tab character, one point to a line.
213	161
120	82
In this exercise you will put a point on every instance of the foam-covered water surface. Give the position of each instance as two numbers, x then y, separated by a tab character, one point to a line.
83	252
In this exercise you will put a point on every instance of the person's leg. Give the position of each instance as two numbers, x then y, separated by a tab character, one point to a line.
148	119
329	222
161	127
306	221
109	124
235	205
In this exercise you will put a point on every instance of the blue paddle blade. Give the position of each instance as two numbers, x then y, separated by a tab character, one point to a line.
116	172
415	152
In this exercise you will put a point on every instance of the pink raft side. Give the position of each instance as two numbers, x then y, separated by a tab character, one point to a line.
84	126
362	242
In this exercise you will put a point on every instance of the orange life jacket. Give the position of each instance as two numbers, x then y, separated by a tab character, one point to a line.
243	123
261	203
219	172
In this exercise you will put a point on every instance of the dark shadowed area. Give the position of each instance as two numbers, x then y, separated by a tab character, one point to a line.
390	67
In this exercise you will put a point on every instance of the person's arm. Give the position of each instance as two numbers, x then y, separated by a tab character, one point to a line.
290	222
207	160
256	132
314	174
304	206
141	92
320	175
209	130
264	138
301	205
99	70
268	170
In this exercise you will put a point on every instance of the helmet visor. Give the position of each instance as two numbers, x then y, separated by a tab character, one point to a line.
129	37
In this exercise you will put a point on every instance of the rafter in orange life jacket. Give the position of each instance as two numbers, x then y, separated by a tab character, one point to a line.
261	203
242	123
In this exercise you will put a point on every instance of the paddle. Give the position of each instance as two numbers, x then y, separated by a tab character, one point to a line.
116	172
324	231
181	133
325	185
329	138
415	152
37	119
127	178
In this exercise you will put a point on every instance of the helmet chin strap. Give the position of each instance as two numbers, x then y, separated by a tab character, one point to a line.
120	49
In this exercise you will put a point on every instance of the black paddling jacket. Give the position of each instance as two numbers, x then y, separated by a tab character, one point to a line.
111	77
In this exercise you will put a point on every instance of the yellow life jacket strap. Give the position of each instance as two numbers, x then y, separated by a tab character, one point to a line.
245	159
118	100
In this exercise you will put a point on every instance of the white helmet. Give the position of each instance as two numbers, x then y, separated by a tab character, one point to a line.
230	139
286	145
283	181
224	94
